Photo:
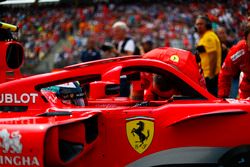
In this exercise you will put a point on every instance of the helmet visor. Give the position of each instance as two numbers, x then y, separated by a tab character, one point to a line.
73	96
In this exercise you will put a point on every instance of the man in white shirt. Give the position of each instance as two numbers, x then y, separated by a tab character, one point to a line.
124	44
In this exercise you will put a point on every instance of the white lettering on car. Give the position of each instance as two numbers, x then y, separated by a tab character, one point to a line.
14	98
18	121
8	98
11	143
19	160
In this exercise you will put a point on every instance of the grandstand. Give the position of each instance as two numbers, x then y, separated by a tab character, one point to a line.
50	29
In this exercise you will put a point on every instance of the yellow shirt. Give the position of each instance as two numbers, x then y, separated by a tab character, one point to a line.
211	43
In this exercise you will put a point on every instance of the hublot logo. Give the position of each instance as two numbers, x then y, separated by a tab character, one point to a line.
14	98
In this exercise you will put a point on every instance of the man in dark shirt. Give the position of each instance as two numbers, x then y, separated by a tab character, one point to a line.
91	52
225	43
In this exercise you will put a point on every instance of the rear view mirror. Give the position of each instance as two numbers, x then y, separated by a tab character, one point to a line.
103	89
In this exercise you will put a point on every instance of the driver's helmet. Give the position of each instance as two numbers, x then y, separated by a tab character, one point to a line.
69	93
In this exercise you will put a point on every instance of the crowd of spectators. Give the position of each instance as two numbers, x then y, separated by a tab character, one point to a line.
166	23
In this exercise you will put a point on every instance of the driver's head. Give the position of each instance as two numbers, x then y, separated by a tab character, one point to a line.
163	86
71	93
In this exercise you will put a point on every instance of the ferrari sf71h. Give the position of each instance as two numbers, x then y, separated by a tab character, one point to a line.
96	114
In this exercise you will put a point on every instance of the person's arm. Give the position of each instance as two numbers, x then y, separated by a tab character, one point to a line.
128	53
212	63
118	54
115	51
148	95
224	81
229	69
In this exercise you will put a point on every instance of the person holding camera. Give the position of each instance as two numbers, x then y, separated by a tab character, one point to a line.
124	45
107	50
209	49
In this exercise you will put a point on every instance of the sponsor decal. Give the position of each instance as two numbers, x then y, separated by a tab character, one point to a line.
19	160
18	121
10	143
175	58
18	99
237	54
52	97
140	132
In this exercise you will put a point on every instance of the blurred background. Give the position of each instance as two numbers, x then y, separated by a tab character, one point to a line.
55	33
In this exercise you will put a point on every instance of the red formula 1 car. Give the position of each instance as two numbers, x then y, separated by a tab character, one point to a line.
85	116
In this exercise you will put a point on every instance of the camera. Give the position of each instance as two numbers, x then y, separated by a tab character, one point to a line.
107	46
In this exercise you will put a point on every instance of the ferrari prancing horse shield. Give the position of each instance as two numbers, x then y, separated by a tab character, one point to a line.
140	132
